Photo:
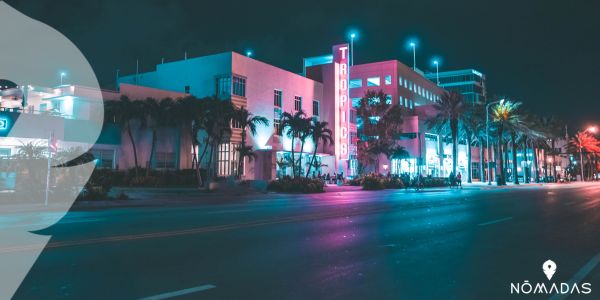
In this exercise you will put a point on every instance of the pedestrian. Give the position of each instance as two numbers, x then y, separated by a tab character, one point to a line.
459	180
452	179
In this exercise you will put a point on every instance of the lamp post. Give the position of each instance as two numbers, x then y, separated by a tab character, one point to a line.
352	36
487	137
62	76
437	71
412	44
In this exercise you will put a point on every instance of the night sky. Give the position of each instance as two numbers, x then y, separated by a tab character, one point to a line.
544	54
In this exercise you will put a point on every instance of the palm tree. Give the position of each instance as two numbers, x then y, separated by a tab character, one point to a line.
553	131
217	126
31	151
450	110
295	126
472	129
159	114
583	141
123	112
506	117
190	115
245	120
319	133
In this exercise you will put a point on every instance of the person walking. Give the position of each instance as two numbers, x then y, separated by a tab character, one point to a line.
459	180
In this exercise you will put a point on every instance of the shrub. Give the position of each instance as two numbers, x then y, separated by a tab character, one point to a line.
435	182
297	185
371	183
356	181
394	183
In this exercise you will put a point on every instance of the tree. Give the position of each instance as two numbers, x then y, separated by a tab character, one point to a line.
319	133
507	119
552	130
584	142
450	109
217	124
295	126
190	115
246	121
472	129
379	126
159	114
123	112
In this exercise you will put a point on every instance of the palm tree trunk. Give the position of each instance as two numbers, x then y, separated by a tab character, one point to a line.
241	158
514	157
545	165
481	171
553	162
454	129
135	158
152	150
526	165
293	159
312	161
502	179
469	159
300	158
536	165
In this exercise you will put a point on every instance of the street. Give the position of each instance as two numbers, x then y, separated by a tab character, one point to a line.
392	244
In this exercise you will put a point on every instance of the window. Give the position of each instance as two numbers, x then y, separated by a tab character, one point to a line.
315	107
353	116
356	102
277	121
405	84
224	86
411	104
239	86
388	99
373	81
104	158
355	83
164	160
4	152
186	89
410	86
400	101
388	79
400	80
277	98
297	103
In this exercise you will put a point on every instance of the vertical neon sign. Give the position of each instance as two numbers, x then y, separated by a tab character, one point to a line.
341	60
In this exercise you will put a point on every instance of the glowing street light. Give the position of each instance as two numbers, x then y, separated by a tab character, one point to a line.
592	129
352	36
414	48
62	76
437	70
249	53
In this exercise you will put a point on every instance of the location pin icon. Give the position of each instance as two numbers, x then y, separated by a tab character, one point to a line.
549	268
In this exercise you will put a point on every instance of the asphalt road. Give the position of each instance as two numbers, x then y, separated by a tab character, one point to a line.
468	244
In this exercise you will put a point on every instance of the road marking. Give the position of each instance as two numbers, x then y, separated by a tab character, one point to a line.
580	275
495	221
180	292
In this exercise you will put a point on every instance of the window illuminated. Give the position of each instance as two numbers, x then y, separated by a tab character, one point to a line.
277	98
388	99
297	103
388	79
355	83
373	81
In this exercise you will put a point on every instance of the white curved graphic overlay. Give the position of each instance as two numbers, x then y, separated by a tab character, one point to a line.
51	114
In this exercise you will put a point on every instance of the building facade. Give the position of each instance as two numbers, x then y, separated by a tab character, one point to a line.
468	82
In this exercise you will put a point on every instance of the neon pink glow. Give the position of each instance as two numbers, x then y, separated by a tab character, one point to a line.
340	59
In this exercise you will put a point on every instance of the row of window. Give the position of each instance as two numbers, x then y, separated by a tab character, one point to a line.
225	88
278	104
403	82
403	101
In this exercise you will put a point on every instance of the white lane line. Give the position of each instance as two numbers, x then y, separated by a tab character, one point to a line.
181	292
495	221
580	275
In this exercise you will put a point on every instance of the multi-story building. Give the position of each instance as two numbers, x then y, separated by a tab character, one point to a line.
468	82
264	90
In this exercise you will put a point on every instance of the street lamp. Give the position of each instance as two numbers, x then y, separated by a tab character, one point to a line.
249	53
352	36
412	44
62	76
487	137
437	71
